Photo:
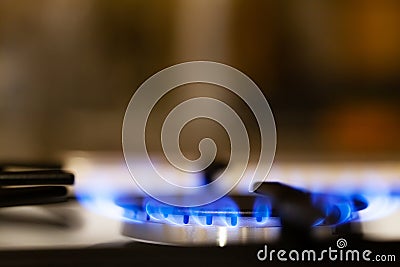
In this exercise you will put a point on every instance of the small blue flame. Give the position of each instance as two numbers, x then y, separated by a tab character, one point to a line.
223	212
261	209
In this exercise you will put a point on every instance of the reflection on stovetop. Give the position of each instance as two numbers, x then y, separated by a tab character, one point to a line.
66	224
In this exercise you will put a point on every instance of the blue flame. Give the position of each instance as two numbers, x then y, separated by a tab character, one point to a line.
262	209
338	209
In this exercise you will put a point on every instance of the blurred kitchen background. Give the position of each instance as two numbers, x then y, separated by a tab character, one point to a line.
329	69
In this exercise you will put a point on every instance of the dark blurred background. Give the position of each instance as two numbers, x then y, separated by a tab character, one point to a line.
329	69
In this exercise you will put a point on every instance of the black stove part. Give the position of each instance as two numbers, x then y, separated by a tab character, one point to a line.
34	184
299	209
37	177
308	206
295	207
139	254
359	202
211	170
32	195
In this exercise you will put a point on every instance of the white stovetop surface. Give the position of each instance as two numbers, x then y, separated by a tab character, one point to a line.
72	224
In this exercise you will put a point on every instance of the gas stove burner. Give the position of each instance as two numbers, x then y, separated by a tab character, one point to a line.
252	218
228	220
